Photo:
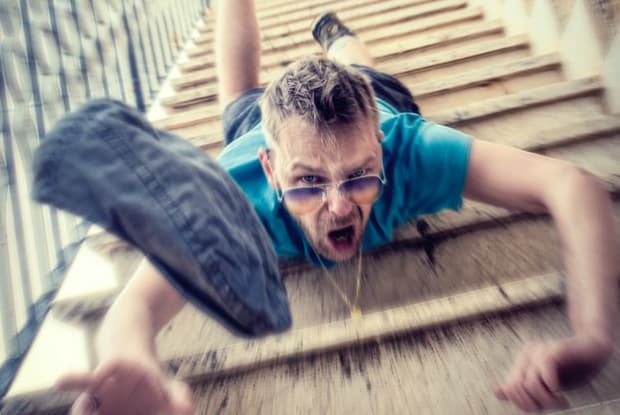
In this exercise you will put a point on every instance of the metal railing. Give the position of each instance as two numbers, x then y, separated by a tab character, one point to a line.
54	56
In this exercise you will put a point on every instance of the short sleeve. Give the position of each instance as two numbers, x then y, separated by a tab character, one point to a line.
427	164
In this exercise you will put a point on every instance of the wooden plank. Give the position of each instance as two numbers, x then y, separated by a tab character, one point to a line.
536	96
393	30
526	131
190	117
42	401
213	359
314	9
494	46
194	78
473	78
372	327
190	97
291	8
351	16
271	58
611	407
207	93
443	371
488	89
435	40
371	23
310	11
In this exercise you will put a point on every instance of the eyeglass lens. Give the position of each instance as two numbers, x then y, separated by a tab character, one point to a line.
361	191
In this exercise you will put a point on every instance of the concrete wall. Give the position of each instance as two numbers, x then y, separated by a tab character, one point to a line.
584	32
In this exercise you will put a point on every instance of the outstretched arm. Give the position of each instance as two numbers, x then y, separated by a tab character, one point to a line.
129	379
582	212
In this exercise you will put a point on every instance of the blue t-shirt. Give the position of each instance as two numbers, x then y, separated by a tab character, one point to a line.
425	166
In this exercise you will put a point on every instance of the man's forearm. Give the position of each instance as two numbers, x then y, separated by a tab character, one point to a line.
583	213
144	306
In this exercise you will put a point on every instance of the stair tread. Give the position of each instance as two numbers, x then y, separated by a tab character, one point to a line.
535	96
451	370
203	93
373	326
434	40
360	18
521	66
271	58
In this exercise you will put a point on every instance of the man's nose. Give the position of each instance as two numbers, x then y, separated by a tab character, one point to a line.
336	204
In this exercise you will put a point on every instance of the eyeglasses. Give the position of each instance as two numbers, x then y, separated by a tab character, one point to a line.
363	190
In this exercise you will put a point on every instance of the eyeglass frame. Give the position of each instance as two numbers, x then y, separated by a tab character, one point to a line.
324	186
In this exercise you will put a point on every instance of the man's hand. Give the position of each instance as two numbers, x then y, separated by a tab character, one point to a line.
128	387
544	369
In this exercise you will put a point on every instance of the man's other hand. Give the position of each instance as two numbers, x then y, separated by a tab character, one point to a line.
544	369
124	387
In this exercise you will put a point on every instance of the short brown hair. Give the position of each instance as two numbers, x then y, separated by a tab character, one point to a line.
322	93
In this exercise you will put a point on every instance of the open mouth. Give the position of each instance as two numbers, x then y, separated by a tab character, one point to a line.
342	238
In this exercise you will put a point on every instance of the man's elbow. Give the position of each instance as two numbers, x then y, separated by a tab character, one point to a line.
572	184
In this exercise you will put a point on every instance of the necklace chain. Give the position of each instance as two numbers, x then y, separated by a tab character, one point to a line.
354	309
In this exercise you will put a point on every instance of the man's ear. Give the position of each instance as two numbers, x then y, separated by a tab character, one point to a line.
263	157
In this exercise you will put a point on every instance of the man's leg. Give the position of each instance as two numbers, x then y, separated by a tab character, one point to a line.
339	42
350	50
342	45
237	49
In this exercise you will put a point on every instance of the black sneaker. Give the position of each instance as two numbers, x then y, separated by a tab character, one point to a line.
327	28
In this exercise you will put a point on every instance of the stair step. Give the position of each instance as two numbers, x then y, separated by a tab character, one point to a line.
495	46
611	407
379	52
479	113
445	371
425	63
415	9
297	11
298	45
464	356
191	96
358	19
348	11
475	77
489	89
391	48
372	327
534	97
314	9
385	20
395	30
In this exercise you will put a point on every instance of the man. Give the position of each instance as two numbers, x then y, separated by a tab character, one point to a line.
315	169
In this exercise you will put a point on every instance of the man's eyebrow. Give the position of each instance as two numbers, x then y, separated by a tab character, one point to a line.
368	160
364	163
301	166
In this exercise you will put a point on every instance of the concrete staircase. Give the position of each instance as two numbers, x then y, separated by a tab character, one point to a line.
446	306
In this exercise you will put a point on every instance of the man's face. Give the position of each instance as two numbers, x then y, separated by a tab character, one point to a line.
335	229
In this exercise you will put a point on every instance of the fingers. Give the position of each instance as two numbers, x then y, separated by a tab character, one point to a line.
540	391
75	381
514	390
180	398
85	404
533	382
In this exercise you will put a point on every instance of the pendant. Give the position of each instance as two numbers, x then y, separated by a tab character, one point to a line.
356	313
